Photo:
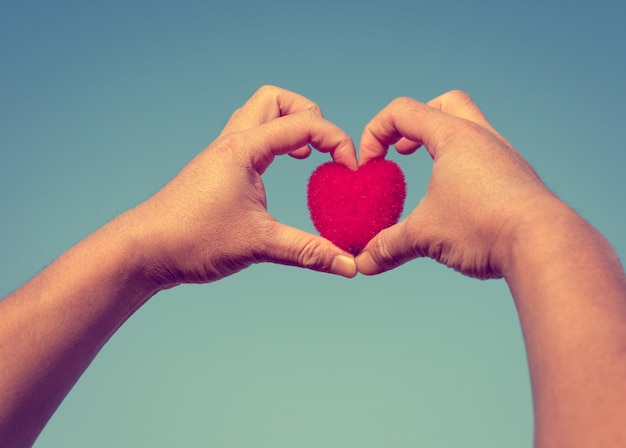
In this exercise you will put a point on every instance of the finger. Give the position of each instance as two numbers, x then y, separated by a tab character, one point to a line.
387	250
292	132
301	153
383	130
296	247
266	104
412	120
460	104
429	124
405	146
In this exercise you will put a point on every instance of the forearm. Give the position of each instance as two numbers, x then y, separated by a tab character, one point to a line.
52	327
570	291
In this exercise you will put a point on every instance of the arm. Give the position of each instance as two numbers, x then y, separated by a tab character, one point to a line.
210	221
570	292
487	214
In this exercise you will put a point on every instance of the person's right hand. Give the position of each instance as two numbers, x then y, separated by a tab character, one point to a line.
480	190
211	220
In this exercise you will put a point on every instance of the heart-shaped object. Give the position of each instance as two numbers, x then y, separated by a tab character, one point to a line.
350	207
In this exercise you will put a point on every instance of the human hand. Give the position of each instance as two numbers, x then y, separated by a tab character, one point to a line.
479	191
211	220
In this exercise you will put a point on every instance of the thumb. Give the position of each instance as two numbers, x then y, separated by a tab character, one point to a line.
296	247
389	249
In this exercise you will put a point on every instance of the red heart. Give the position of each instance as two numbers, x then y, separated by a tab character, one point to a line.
350	207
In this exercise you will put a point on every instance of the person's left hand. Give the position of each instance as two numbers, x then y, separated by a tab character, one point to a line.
211	220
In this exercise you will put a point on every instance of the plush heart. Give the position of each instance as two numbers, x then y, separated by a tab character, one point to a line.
350	207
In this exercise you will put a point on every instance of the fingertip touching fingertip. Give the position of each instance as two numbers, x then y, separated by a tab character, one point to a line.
343	265
366	265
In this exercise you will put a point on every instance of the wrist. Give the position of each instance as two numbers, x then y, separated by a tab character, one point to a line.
544	228
550	240
132	251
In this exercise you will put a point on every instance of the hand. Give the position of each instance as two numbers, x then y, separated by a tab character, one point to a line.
480	187
211	220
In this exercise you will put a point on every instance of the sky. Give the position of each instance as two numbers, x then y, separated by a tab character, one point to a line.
101	103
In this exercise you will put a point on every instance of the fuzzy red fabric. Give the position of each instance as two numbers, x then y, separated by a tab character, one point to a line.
350	207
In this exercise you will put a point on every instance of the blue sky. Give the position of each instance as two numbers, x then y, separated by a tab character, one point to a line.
102	103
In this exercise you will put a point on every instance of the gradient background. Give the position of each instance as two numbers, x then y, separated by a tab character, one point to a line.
101	103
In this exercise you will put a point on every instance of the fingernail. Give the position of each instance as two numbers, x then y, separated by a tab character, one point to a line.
343	265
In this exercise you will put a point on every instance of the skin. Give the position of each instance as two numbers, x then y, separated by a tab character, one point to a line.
52	327
487	214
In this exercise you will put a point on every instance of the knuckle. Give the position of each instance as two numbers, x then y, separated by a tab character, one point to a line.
310	255
402	102
267	90
314	109
458	96
402	106
382	253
